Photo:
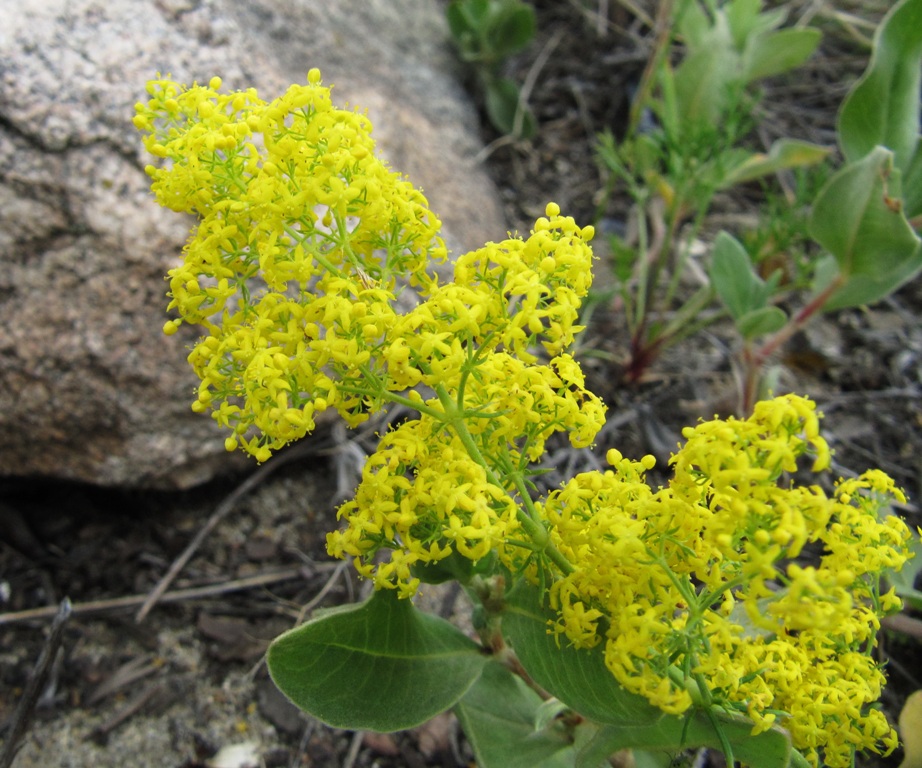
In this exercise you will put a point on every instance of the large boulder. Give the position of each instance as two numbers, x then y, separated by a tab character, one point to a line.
89	387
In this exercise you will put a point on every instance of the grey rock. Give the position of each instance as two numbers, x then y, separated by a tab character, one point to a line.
89	387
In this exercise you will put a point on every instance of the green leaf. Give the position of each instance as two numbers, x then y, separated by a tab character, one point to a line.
747	21
502	102
784	153
883	106
738	286
825	270
459	22
580	679
645	759
455	567
379	666
743	18
760	322
771	749
510	28
704	84
912	186
692	24
466	20
549	711
595	750
776	52
858	218
498	715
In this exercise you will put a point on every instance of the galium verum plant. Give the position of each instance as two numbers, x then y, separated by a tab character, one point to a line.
660	618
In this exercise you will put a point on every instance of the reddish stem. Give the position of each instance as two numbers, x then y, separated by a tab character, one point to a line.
755	360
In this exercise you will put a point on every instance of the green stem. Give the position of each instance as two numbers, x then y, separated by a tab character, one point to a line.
698	687
319	257
643	273
798	321
721	736
345	242
454	418
416	405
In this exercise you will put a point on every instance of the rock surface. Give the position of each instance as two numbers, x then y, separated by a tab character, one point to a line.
89	388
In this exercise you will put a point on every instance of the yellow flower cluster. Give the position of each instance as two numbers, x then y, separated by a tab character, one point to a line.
308	274
421	498
304	241
694	591
452	482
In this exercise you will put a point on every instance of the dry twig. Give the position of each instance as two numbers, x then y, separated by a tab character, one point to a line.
26	708
178	595
223	509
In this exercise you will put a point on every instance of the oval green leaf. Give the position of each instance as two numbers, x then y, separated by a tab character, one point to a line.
579	678
739	288
776	52
503	106
761	322
705	82
883	106
499	716
511	27
378	666
858	218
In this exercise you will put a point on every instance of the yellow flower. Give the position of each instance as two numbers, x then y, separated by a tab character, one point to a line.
666	572
299	274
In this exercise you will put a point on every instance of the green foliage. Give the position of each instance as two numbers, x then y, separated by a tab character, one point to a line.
705	107
784	154
729	47
742	290
858	218
384	666
455	567
865	217
882	109
778	239
486	33
862	215
580	679
501	718
343	669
